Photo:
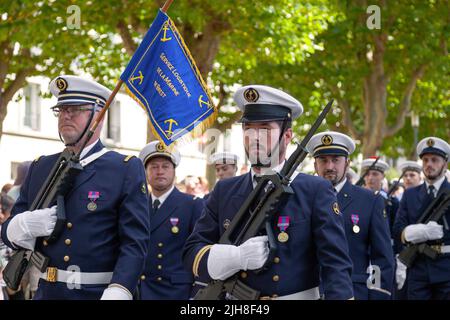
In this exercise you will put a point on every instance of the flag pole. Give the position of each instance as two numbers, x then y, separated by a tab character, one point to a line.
166	6
102	113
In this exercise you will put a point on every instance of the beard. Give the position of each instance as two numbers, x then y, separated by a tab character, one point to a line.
433	174
258	155
333	177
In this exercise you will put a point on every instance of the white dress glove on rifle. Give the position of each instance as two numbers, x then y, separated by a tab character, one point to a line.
400	274
420	232
225	260
25	227
114	292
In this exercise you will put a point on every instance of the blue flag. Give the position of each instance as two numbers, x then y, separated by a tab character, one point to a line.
163	78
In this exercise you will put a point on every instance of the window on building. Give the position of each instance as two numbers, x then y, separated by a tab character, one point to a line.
113	122
32	95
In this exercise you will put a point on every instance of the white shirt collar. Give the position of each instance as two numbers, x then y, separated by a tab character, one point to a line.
340	185
163	197
437	185
87	149
266	171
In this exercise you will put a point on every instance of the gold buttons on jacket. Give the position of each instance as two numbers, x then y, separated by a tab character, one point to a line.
159	256
143	277
244	275
158	279
68	242
69	225
159	267
66	258
276	278
160	244
276	260
45	243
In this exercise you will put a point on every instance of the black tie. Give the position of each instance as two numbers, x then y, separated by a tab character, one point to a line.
156	204
431	189
256	178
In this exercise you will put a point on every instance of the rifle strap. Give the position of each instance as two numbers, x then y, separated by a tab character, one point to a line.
93	157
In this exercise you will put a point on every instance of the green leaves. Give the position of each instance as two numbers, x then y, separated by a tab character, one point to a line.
315	50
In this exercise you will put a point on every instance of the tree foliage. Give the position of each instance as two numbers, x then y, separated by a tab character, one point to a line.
315	50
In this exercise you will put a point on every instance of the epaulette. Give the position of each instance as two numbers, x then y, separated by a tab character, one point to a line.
37	159
127	158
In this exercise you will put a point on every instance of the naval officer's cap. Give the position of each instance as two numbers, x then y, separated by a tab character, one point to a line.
157	149
433	145
380	166
261	103
75	90
224	158
410	166
330	143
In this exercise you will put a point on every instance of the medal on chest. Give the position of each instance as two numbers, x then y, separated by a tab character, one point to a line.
93	196
283	224
355	221
174	222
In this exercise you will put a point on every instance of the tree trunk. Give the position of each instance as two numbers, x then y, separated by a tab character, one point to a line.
374	96
9	92
3	110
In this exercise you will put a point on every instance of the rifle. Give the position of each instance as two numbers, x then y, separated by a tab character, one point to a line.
55	188
434	212
57	185
360	182
395	185
256	213
392	189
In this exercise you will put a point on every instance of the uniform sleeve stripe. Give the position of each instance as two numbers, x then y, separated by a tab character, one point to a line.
402	237
380	290
198	258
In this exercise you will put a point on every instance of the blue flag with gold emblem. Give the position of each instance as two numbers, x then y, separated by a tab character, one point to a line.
163	78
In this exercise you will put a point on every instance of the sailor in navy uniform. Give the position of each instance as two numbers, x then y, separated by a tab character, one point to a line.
225	164
411	178
427	279
309	227
367	231
172	218
101	251
411	173
374	181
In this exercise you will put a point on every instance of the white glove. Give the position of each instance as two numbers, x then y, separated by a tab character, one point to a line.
400	274
420	232
225	260
116	292
25	227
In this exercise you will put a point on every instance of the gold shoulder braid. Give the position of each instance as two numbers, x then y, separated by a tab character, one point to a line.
127	158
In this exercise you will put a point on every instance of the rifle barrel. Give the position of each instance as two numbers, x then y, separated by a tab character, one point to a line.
361	179
300	153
